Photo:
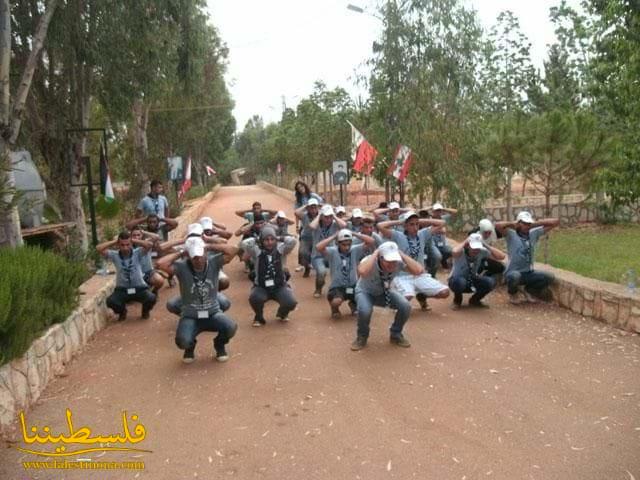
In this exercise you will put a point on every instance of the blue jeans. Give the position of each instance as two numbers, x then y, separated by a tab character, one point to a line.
460	285
366	302
174	304
283	295
189	328
304	251
321	266
533	281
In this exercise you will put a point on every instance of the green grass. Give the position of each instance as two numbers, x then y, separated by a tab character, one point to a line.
600	252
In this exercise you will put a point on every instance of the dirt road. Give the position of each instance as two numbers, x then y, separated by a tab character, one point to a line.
532	392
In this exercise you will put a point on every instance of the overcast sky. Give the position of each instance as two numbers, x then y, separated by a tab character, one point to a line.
279	48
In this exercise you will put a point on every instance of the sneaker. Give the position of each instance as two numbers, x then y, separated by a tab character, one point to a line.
400	340
145	314
354	308
299	268
258	323
221	354
122	316
335	312
189	355
516	299
307	271
530	298
282	318
359	343
317	293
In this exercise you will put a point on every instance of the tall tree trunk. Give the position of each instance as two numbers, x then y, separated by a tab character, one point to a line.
509	195
10	122
140	145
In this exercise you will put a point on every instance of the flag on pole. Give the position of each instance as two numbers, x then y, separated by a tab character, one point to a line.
186	183
363	154
401	164
106	187
210	171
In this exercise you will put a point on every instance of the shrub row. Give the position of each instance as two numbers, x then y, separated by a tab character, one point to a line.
37	289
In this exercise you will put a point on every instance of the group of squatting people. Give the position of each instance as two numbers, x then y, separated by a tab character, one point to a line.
384	258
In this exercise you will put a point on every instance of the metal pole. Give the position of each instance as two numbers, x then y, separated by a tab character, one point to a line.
92	207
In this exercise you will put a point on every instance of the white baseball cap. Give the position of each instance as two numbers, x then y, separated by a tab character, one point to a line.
281	214
341	209
194	229
344	234
475	241
437	206
356	213
393	205
207	223
407	215
390	252
312	201
195	247
524	217
327	210
486	225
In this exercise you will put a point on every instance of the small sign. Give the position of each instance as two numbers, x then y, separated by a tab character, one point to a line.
175	169
340	172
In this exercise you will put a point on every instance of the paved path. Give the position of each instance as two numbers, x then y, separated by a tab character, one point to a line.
507	393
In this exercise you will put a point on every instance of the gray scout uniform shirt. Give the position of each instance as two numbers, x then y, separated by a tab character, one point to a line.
344	266
385	218
377	282
413	246
467	266
156	206
440	239
306	233
249	217
521	250
199	290
251	246
321	233
128	269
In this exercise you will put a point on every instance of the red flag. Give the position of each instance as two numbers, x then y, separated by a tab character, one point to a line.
210	171
402	159
186	184
363	154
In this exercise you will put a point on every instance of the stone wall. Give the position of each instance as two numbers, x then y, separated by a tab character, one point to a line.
607	302
283	192
23	380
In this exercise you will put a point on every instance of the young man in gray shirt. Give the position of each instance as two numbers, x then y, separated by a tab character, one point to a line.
200	312
376	273
343	262
522	237
270	281
130	284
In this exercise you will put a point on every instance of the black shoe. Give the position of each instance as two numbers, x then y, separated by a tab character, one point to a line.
477	303
221	354
335	312
145	313
189	355
123	315
353	307
359	343
258	322
307	271
400	341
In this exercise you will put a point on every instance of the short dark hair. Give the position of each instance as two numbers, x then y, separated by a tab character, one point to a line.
368	220
153	215
124	235
256	204
383	205
155	182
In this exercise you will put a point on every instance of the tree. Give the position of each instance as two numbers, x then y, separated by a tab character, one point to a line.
11	118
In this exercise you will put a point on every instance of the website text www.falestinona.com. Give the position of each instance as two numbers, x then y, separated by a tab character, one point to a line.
82	465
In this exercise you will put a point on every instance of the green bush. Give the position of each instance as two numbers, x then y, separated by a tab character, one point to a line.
37	289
